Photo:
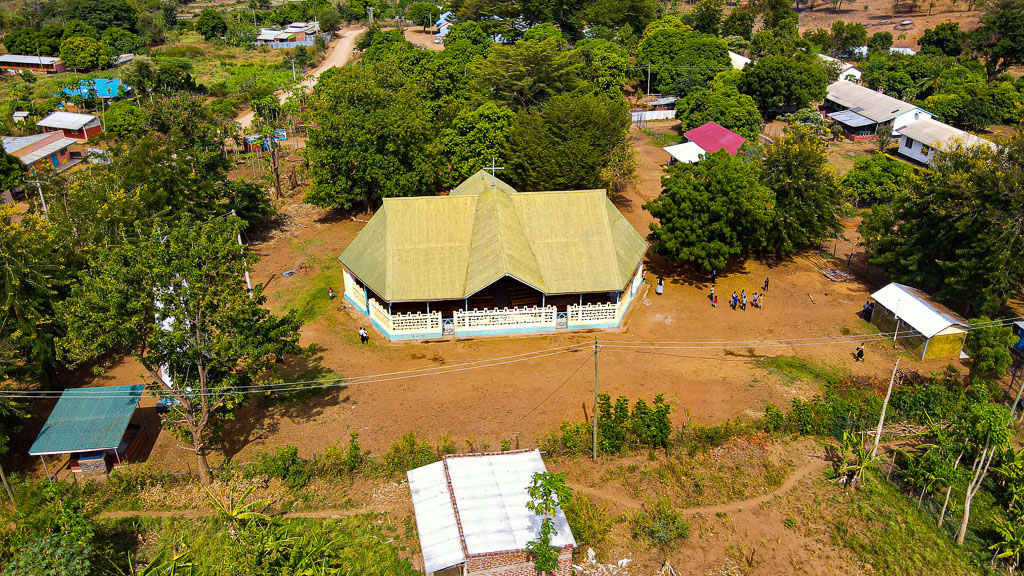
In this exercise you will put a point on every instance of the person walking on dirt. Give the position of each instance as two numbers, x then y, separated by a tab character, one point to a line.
330	293
714	275
753	300
364	337
660	288
714	301
712	295
860	352
766	280
743	301
734	300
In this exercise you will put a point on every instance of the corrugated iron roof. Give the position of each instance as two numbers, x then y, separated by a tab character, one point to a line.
866	102
939	135
450	247
87	419
687	152
712	138
67	120
476	504
851	118
918	309
25	59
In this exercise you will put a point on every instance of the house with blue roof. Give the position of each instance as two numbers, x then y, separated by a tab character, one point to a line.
104	88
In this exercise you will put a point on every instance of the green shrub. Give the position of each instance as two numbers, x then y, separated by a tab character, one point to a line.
404	455
338	462
774	420
130	479
285	465
659	523
589	521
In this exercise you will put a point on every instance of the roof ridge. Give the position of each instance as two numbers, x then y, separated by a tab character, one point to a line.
455	506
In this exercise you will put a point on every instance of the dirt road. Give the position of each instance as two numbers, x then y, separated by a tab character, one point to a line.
337	55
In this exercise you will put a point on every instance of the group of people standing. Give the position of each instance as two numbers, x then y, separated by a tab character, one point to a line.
739	301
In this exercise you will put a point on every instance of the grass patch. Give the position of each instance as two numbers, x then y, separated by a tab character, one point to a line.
309	296
793	369
884	529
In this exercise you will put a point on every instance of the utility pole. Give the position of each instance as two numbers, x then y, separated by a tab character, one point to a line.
648	78
885	404
248	282
293	69
595	400
370	10
39	187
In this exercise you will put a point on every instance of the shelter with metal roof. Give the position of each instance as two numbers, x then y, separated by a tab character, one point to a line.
78	126
685	153
920	139
15	63
872	110
921	325
472	518
105	88
711	138
489	260
93	425
49	150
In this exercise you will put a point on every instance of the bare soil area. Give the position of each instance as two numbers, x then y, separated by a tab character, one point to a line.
879	16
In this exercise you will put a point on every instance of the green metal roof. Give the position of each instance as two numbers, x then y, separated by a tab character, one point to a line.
87	419
450	247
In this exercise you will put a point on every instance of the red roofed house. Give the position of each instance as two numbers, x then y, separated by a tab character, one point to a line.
712	138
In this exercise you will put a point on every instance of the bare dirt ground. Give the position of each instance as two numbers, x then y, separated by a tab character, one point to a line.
522	400
878	16
417	36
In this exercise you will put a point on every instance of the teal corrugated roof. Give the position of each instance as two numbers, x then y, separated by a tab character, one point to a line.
87	419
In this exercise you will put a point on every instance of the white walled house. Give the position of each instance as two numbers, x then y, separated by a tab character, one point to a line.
920	139
861	111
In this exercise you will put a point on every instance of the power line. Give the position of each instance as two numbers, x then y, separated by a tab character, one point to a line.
610	345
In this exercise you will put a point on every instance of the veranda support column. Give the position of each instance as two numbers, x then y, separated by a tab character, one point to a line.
366	298
45	469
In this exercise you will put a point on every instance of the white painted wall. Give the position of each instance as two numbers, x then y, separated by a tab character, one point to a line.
908	117
912	149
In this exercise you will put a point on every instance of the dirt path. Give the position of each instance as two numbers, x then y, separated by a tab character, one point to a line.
114	515
337	55
815	464
799	474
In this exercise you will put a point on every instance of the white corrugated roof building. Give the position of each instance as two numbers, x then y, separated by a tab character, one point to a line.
23	59
866	102
919	310
475	504
738	61
687	152
942	136
67	121
13	144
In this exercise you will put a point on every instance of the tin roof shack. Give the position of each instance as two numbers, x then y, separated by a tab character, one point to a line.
49	150
472	518
919	140
94	427
922	326
81	127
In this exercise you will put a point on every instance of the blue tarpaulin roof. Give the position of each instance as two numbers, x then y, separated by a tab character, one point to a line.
87	419
102	87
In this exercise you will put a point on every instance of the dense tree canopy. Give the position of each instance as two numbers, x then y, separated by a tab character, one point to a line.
1000	37
84	53
211	24
681	59
475	137
722	104
711	210
102	14
956	233
779	81
372	138
877	178
567	143
946	39
528	72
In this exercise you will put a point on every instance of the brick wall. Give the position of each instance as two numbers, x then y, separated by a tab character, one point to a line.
515	563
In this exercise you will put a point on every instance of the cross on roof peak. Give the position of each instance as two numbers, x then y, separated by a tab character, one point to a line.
493	168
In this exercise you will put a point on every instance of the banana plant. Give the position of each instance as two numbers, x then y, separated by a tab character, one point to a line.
237	510
165	563
1011	543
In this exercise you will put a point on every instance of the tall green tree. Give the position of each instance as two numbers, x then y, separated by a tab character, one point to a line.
32	277
211	24
84	53
102	14
373	138
946	39
528	72
681	59
807	199
179	304
956	233
707	16
983	430
723	105
999	40
475	137
603	65
711	210
775	81
877	178
988	344
568	143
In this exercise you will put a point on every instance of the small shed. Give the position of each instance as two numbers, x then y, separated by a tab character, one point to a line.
685	153
472	518
922	326
94	427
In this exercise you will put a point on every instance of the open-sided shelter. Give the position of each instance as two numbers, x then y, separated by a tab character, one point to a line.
472	518
489	260
921	325
94	427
